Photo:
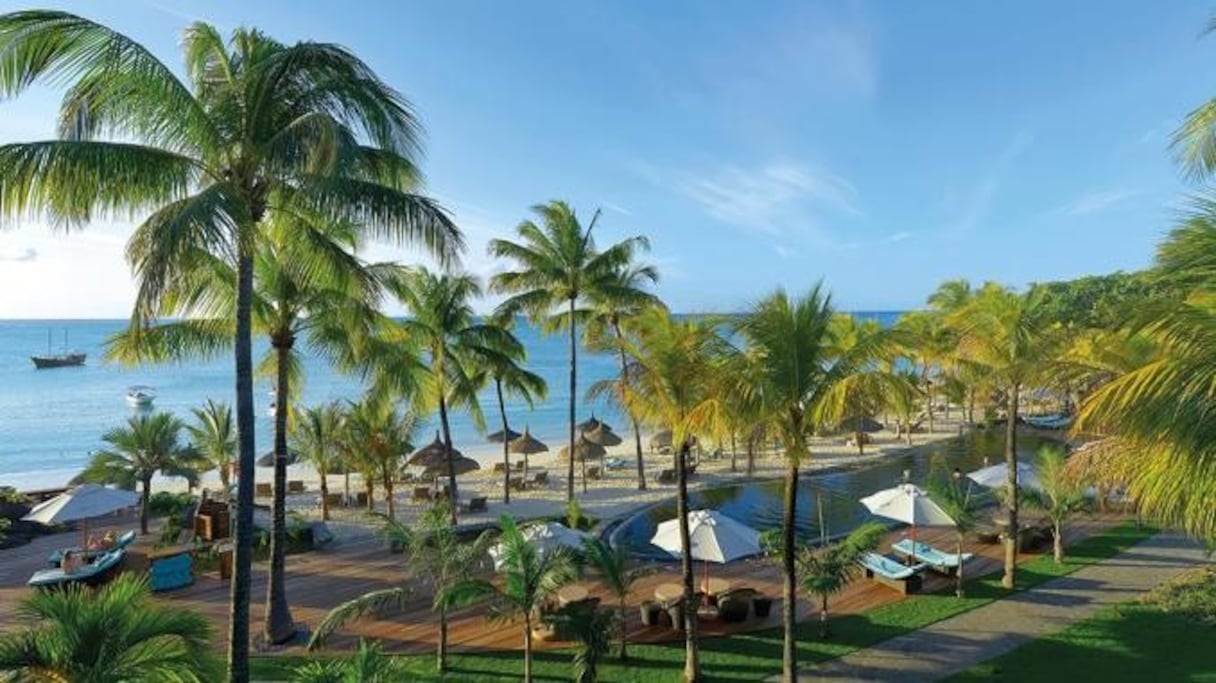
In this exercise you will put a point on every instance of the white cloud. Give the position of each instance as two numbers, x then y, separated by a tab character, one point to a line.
774	198
1095	202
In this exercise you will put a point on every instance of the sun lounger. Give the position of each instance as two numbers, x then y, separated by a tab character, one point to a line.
263	490
518	484
474	505
946	563
540	479
120	543
616	463
295	486
891	573
667	477
421	493
594	472
95	573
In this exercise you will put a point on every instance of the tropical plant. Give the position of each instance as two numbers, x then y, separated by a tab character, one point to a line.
367	665
436	553
614	304
147	445
799	364
611	563
1060	495
511	379
114	634
529	578
592	628
1011	338
383	435
830	567
316	434
257	128
558	265
675	375
954	495
213	435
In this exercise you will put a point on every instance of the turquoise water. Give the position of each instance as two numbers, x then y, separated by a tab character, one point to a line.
50	420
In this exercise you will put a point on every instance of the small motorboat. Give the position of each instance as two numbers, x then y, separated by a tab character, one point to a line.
141	396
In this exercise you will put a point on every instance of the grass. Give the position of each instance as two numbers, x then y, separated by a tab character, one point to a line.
1129	642
757	655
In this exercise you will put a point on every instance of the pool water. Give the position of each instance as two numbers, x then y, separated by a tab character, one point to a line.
759	504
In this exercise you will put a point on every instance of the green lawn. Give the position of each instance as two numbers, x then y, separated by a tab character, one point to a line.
1130	642
754	656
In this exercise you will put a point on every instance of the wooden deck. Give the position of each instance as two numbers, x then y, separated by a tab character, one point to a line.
319	581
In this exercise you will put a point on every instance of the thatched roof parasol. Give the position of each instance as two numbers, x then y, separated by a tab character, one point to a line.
663	440
431	453
583	449
593	424
497	437
267	459
460	464
527	445
603	435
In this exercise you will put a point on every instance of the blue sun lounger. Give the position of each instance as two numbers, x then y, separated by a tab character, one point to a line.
96	573
126	539
891	573
946	563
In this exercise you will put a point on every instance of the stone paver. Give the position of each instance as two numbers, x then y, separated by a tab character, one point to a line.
956	644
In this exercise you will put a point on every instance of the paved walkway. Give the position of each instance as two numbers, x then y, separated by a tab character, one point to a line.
956	644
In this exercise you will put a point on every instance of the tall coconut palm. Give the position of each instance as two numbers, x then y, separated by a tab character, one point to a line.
316	434
612	305
800	362
503	366
675	369
213	435
308	283
437	553
1010	336
256	128
557	265
115	634
146	446
457	348
383	434
529	578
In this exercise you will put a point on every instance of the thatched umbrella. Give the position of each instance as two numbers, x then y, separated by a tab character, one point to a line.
267	459
603	435
497	437
860	424
592	424
663	440
460	464
526	445
431	453
584	449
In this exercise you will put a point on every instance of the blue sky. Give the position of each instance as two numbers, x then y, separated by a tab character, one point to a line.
883	147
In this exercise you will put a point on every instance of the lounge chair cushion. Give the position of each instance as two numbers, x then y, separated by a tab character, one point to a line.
87	573
888	568
923	552
123	541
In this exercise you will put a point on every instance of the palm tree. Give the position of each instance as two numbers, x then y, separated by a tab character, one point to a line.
147	445
316	433
1060	497
214	438
457	348
256	129
831	567
529	577
862	394
383	435
558	264
437	554
799	363
307	282
612	565
511	379
613	304
367	665
1010	336
115	634
953	494
592	628
675	380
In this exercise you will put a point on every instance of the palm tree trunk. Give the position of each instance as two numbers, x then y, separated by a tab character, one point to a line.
506	444
789	589
238	624
971	405
861	445
734	460
958	574
624	614
929	412
527	648
388	494
447	447
692	661
442	654
823	616
1057	532
279	626
751	455
1011	463
637	432
321	471
573	388
144	503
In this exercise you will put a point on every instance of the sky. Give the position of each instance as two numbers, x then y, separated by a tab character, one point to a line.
882	147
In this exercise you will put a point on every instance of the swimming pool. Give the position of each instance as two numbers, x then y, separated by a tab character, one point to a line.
759	504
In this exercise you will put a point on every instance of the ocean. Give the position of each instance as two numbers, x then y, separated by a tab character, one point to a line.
51	420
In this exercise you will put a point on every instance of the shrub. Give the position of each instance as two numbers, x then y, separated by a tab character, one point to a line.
165	503
1192	596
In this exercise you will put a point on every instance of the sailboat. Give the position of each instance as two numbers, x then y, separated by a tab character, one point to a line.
62	360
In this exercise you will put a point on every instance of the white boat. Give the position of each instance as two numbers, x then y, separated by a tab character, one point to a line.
140	396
